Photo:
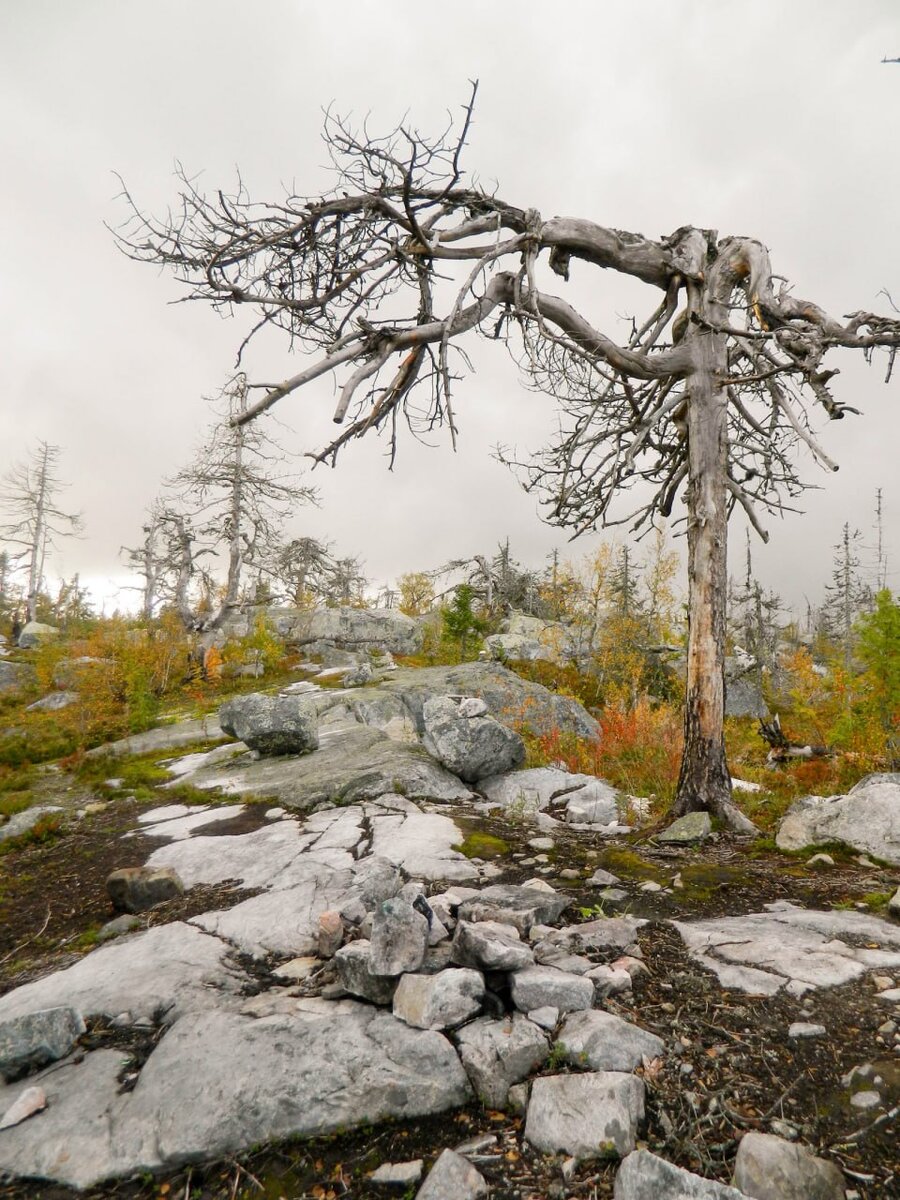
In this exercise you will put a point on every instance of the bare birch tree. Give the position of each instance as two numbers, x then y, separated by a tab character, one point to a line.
34	520
380	280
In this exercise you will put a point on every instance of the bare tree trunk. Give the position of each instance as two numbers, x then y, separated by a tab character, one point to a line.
38	541
185	571
704	783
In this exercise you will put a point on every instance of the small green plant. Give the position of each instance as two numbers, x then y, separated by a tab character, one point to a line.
589	913
557	1057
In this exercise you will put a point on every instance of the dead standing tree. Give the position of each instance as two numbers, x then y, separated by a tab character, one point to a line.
380	280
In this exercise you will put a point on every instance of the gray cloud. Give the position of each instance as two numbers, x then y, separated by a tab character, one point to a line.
772	120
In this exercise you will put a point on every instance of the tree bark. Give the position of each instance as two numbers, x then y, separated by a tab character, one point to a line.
704	782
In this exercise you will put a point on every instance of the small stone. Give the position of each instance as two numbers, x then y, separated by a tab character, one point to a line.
398	1174
541	843
31	1101
539	885
651	886
867	1099
32	1041
500	1053
643	1176
820	860
569	873
882	982
297	969
803	1029
491	946
355	973
894	904
512	905
546	987
517	1099
605	1042
547	1017
399	938
634	966
888	1028
613	895
439	1001
693	827
592	1115
770	1168
117	926
452	1178
274	814
330	933
601	878
609	981
891	996
678	882
784	1129
135	889
541	858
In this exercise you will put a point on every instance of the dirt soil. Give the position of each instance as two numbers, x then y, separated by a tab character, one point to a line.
733	1070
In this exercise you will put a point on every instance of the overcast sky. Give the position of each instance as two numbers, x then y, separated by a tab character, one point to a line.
775	120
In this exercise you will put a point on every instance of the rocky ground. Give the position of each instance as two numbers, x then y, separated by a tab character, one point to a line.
360	957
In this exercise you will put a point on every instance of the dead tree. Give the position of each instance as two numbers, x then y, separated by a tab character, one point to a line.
380	280
34	520
230	499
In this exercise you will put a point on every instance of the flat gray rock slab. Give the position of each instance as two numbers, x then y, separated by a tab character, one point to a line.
350	766
71	1141
643	1176
867	818
605	1042
166	737
422	845
257	859
532	790
282	921
452	1178
594	1115
21	822
176	968
793	948
176	829
243	1081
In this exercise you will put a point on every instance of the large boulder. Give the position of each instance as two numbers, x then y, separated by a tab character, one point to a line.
36	632
271	724
513	701
460	735
348	629
361	764
867	818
